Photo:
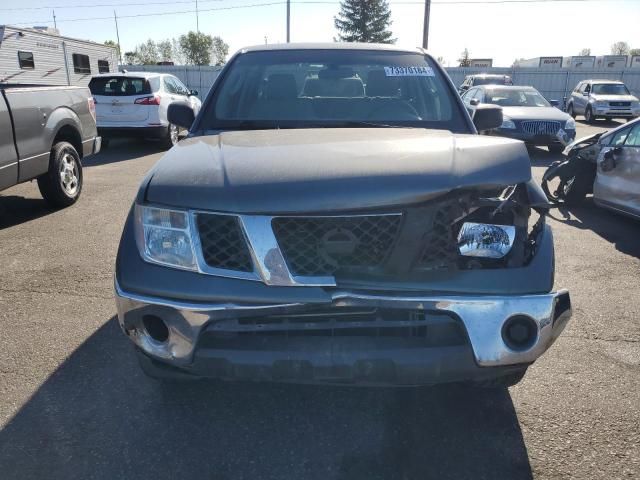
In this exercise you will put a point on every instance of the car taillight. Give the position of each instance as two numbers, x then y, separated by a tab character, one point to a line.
92	107
152	100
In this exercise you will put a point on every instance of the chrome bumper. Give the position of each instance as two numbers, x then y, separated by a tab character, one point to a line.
483	318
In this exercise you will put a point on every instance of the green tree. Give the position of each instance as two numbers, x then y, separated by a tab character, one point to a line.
364	21
131	58
111	43
634	51
196	48
620	48
165	51
147	53
219	51
464	59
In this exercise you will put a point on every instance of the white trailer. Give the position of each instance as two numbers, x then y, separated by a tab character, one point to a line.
612	61
540	62
586	61
39	57
481	62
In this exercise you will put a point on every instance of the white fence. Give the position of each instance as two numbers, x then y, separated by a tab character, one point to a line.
553	84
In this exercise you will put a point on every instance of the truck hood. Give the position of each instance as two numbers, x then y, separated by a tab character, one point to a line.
320	170
535	113
613	98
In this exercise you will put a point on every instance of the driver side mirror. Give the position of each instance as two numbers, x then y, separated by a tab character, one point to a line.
487	117
193	93
554	103
474	102
180	115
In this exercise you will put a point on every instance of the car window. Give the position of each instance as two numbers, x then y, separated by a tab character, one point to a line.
610	89
579	88
633	139
169	86
471	93
328	88
619	138
512	97
119	86
180	88
587	88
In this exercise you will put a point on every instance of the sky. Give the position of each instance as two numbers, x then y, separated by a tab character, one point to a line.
488	28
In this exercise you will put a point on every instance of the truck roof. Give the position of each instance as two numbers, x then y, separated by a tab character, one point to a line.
331	46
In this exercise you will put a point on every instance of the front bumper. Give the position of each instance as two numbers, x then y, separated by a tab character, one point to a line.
212	340
533	139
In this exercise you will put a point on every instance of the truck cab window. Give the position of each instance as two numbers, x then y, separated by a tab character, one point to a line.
25	60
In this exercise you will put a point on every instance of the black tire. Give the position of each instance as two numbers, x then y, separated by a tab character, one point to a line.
172	136
580	187
588	115
62	184
502	382
556	148
570	110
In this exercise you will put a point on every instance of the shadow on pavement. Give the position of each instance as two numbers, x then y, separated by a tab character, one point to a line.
15	210
97	416
615	228
121	150
542	157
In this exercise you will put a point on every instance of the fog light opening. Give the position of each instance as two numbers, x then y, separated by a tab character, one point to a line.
156	328
519	332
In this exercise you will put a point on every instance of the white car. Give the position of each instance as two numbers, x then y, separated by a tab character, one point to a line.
134	104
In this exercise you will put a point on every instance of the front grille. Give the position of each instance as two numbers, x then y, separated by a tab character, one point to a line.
223	243
540	127
440	247
620	104
323	245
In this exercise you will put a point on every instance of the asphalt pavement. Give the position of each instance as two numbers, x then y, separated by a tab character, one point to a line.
74	404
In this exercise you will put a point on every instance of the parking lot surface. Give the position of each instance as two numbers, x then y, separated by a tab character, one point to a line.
74	404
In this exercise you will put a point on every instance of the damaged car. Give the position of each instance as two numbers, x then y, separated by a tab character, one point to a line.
334	217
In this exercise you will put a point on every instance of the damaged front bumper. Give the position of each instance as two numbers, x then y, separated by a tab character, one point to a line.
252	341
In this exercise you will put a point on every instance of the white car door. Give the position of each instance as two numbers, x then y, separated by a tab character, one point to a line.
617	183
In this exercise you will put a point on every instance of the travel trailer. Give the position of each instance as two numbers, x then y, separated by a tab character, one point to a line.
40	56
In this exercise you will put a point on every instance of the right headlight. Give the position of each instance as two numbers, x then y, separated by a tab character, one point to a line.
163	236
507	123
485	240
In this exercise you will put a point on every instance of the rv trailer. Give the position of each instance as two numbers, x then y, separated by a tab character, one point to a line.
39	56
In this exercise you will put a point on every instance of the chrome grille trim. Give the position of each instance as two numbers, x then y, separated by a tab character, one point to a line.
540	127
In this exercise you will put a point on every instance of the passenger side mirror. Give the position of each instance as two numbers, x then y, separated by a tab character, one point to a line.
554	103
193	93
474	102
487	117
180	115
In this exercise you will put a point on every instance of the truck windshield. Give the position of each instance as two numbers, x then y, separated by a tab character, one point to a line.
333	88
609	89
512	97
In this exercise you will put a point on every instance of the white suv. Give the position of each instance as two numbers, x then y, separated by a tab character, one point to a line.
134	104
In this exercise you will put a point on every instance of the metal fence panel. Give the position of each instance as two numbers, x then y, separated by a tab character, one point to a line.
193	76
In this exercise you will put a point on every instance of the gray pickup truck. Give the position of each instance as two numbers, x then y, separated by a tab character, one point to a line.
46	131
334	216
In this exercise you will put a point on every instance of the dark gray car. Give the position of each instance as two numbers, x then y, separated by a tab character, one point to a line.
334	217
527	115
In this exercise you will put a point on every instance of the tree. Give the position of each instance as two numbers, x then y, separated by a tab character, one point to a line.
219	51
464	59
178	54
196	48
440	60
585	52
516	62
620	48
634	51
165	51
131	58
111	43
147	53
364	21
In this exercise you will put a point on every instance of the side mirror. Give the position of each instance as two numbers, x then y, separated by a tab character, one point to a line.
180	115
474	102
554	103
487	117
193	93
585	94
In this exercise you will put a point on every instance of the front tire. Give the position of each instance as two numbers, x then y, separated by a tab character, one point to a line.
570	111
588	115
62	184
172	136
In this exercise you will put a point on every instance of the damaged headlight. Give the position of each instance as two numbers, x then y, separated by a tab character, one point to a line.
163	236
485	240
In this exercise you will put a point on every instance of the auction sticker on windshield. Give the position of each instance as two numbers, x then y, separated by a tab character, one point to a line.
409	71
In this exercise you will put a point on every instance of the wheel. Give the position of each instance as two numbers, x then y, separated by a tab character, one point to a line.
570	110
576	189
502	382
588	115
172	136
556	148
62	184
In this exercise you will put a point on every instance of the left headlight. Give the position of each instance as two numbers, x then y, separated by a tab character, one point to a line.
570	125
163	236
485	240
